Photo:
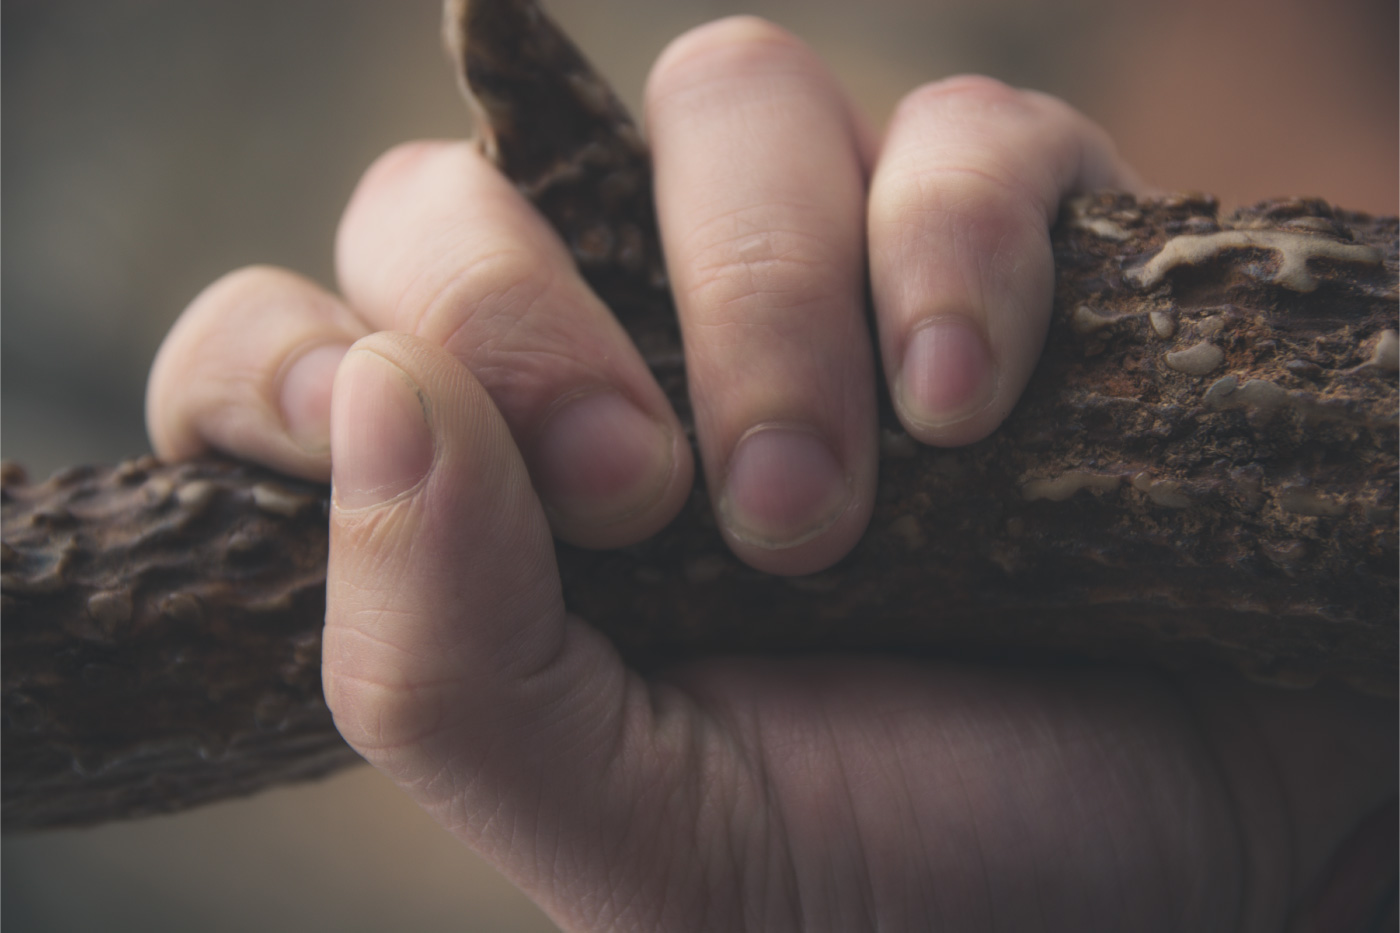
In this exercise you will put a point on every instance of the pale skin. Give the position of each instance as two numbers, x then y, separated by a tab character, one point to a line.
469	399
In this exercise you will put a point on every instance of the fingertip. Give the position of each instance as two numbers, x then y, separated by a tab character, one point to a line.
359	237
304	394
789	503
247	370
609	473
951	387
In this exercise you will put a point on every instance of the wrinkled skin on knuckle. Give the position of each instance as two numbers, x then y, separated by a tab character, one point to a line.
995	239
507	319
744	273
984	196
480	302
184	392
376	709
385	702
966	186
383	686
388	171
1043	144
730	49
525	384
963	94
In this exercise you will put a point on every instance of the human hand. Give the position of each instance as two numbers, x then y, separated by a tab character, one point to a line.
762	170
823	793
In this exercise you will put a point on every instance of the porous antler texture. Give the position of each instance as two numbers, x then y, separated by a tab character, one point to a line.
162	643
1201	473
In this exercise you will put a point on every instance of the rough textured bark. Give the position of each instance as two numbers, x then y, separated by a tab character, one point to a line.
1202	473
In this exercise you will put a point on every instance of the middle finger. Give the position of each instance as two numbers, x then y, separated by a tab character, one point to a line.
760	195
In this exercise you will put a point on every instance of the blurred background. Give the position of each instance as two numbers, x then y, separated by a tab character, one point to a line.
151	145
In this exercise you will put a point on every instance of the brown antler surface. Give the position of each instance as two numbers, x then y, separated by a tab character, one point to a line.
1201	473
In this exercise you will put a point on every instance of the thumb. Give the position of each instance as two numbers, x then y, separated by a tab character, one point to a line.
448	659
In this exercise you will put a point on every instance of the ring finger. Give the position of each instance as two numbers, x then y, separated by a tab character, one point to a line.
969	181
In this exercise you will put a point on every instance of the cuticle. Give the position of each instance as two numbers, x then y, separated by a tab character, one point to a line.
794	426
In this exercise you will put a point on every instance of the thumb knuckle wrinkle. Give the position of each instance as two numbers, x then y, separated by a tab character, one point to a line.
378	712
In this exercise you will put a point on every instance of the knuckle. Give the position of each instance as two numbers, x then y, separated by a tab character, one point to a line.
972	146
238	289
523	383
985	193
398	177
978	87
982	220
734	45
484	303
374	716
739	274
388	172
221	324
977	116
1033	142
965	93
509	319
378	705
191	362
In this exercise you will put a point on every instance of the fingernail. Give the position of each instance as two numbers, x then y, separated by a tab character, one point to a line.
784	487
379	431
305	395
947	374
600	460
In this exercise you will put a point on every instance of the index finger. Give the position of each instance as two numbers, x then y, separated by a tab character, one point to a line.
437	243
